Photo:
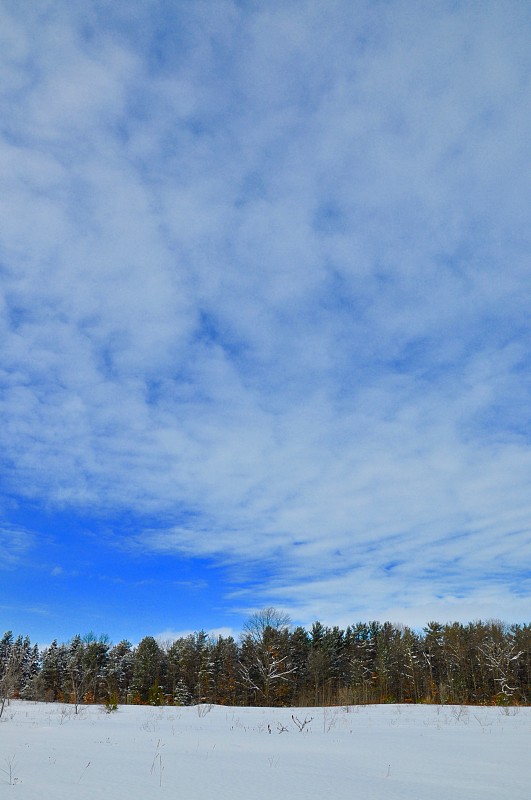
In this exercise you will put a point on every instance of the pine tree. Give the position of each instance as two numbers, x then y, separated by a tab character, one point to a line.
147	668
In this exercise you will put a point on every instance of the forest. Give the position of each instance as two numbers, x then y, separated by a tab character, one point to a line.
275	664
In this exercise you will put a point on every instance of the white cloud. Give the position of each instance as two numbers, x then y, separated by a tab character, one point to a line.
15	542
169	636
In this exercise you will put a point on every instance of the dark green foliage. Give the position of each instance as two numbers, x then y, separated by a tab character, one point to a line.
119	670
111	703
477	663
156	695
147	667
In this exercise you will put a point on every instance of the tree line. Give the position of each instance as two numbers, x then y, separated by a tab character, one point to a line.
274	663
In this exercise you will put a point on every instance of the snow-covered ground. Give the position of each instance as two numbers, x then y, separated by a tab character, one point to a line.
217	753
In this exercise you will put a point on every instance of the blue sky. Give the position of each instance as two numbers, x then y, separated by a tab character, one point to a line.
265	282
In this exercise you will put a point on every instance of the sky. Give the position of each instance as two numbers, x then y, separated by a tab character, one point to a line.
265	281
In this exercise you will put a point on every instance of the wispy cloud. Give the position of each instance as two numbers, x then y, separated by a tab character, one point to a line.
265	281
14	544
169	636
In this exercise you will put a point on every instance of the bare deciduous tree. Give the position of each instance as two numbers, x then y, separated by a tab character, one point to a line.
265	652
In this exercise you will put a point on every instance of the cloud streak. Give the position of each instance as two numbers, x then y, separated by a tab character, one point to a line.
14	545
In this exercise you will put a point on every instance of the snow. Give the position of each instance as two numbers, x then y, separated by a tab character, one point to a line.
206	752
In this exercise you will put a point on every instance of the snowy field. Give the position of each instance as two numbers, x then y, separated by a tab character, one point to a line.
217	753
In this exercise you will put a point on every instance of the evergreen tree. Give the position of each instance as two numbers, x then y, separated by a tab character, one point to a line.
119	671
147	668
